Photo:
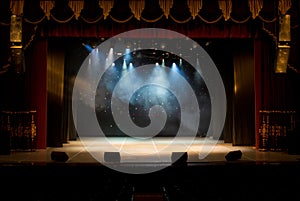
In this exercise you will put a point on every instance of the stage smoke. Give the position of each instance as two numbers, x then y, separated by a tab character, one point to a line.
233	155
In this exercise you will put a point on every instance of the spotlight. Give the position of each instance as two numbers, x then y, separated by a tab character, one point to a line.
88	47
130	66
207	43
163	63
127	55
124	65
174	66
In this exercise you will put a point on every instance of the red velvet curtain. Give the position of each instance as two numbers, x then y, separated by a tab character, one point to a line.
36	86
270	88
195	29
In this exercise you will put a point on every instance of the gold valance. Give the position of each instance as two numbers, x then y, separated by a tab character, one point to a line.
106	6
16	7
255	7
166	6
226	7
47	6
284	6
76	6
195	6
137	7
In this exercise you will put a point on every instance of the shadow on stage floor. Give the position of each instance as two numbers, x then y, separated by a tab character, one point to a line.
255	176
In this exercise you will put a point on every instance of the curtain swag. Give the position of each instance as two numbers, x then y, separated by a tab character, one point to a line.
137	7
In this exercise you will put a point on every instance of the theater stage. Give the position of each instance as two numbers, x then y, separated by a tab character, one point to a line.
200	150
257	175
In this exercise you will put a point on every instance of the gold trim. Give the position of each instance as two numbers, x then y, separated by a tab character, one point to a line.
240	22
293	69
274	37
62	21
178	21
16	47
37	22
296	26
121	21
212	22
284	46
4	24
267	21
32	37
151	21
92	22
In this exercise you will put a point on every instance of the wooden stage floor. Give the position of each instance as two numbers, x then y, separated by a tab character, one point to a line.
206	175
158	150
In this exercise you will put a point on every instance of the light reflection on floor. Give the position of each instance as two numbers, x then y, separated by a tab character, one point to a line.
157	150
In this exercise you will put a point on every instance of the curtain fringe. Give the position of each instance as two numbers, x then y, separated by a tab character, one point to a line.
137	7
16	7
47	6
106	6
226	7
76	6
284	6
166	5
255	7
195	6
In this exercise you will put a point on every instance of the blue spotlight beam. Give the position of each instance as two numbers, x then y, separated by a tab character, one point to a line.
88	47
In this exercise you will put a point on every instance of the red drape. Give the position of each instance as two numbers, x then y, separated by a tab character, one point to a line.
195	29
36	86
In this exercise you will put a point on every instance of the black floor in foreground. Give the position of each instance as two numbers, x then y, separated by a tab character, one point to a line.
190	182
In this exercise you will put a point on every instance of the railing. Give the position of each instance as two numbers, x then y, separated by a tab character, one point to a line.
275	125
20	129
